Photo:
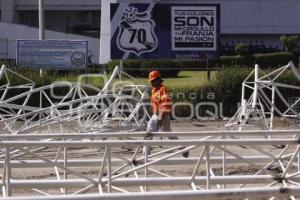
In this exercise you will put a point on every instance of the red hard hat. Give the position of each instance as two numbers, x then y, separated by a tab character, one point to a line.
153	75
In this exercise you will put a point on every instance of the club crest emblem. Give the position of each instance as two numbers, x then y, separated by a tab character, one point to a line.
136	32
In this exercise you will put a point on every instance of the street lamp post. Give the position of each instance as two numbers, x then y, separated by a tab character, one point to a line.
41	25
41	20
207	66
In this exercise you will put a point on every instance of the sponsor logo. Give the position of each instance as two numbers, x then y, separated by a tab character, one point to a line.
78	59
136	32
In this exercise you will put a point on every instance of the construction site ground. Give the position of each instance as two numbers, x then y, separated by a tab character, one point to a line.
178	126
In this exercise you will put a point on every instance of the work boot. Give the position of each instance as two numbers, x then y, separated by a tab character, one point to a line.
186	154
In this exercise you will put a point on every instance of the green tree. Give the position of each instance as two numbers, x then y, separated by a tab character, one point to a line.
290	42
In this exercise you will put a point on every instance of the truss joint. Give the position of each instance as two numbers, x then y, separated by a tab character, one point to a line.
279	179
284	190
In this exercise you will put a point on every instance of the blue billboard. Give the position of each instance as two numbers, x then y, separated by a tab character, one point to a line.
54	54
178	31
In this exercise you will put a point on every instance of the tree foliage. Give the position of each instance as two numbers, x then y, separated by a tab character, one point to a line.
290	41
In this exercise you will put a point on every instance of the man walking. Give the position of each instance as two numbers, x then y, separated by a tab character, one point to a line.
161	102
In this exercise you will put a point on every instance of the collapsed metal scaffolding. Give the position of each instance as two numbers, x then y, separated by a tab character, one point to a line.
265	98
66	147
232	164
65	106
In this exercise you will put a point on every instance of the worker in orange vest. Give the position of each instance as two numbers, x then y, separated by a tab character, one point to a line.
161	101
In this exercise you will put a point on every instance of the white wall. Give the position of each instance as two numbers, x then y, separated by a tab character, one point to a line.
59	4
105	34
13	32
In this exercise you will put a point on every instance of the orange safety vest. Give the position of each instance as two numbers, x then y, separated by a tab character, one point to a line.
161	100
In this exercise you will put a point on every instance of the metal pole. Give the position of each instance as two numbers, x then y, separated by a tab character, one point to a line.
224	162
146	161
243	100
8	172
65	165
109	170
41	20
272	109
207	167
256	76
41	25
278	192
40	114
298	160
121	65
207	67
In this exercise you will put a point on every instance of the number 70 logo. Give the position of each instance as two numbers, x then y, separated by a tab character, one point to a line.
137	35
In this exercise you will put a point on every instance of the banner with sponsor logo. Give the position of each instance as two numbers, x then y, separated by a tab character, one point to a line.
54	54
180	31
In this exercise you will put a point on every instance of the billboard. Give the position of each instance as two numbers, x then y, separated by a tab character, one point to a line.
54	54
178	31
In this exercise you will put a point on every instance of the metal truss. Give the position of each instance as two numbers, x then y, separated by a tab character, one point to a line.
74	107
21	83
222	165
80	142
266	99
8	89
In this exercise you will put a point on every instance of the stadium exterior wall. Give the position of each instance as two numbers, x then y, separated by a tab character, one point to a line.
255	22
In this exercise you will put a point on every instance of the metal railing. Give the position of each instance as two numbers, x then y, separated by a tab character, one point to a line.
129	165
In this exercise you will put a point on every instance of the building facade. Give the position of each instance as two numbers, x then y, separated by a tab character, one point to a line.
259	23
68	16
